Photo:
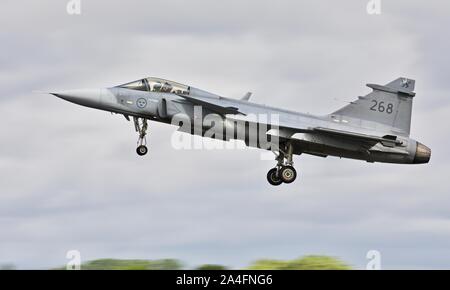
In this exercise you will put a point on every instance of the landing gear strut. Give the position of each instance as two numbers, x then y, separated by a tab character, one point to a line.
141	126
284	171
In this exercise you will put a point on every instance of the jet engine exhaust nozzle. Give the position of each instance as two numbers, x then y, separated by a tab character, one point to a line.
423	154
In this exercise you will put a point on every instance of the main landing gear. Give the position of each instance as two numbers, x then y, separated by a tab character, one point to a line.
141	126
284	171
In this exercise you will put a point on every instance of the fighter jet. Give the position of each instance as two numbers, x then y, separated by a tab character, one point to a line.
373	128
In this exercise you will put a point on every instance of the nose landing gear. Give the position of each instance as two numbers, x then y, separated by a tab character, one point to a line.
284	172
141	126
141	150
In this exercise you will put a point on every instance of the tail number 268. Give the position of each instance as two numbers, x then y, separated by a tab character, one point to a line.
382	107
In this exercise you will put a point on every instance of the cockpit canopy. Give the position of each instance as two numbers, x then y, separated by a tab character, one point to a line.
157	85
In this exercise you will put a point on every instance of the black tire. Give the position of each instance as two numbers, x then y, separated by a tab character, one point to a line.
141	150
288	174
272	177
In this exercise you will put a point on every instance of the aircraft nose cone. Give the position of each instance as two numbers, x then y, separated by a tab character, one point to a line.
423	154
84	97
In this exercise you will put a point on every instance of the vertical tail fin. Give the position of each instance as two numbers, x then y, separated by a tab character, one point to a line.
390	105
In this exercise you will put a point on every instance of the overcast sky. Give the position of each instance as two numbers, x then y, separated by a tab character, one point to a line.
70	177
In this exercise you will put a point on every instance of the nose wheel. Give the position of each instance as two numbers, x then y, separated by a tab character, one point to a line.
141	127
284	171
141	150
